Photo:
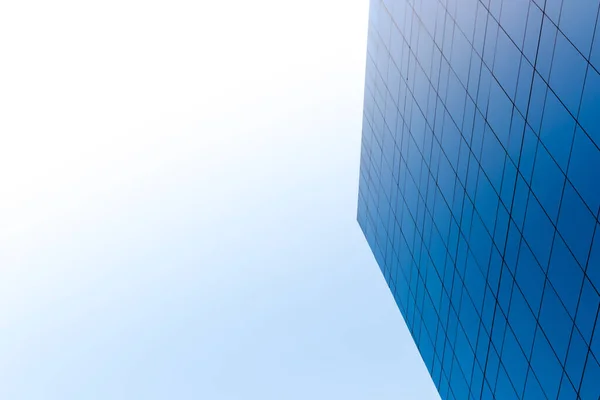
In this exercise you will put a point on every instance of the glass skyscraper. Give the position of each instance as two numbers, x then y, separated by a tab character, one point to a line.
479	189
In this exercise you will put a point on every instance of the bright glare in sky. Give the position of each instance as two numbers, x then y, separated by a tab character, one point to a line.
178	184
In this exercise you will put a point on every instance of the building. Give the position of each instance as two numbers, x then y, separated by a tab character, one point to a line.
479	192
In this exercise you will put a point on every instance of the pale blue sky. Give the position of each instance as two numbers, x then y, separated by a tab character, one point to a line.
178	188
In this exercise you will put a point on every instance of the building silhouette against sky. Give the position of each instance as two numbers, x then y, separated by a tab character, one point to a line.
479	189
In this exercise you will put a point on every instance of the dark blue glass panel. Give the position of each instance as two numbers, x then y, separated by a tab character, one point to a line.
576	224
567	391
575	364
528	151
587	310
593	266
595	55
476	381
480	25
515	360
547	183
520	202
486	202
511	253
546	366
491	369
565	275
589	117
536	102
533	390
590	389
583	169
522	321
530	278
504	388
505	291
556	323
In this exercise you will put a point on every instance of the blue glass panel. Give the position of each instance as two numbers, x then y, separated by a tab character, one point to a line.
595	347
515	360
538	231
587	310
595	54
513	241
530	278
583	169
547	182
475	282
504	388
546	49
513	19
578	350
576	224
589	117
546	366
480	25
485	79
532	33
556	323
505	291
568	73
494	271
506	66
577	20
458	383
566	275
520	202
495	7
557	131
590	389
524	86
552	9
566	391
499	119
533	389
536	102
476	381
486	202
491	368
489	50
501	226
483	342
516	137
528	151
464	353
461	56
593	266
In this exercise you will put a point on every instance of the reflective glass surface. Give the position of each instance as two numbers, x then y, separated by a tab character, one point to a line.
479	193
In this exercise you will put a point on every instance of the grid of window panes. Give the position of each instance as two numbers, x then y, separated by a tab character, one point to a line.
479	189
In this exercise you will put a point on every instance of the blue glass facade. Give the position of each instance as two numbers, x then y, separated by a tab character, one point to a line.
479	189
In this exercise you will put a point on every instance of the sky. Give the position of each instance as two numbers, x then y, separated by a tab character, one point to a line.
178	189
